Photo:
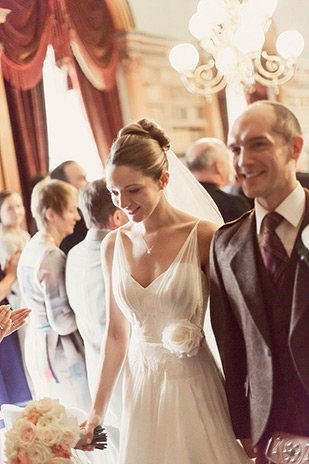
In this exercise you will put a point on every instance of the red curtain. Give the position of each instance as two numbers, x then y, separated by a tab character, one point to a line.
25	36
33	24
103	111
93	30
28	120
85	25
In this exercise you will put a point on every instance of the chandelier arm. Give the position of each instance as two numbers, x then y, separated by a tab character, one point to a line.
205	91
273	72
204	80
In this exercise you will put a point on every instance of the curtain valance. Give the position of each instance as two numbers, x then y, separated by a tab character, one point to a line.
83	28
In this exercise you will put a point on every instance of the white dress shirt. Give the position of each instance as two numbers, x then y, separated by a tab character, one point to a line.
86	293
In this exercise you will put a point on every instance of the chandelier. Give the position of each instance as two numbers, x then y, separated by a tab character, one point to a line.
231	35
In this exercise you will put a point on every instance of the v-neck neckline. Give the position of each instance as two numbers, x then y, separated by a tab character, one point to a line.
168	268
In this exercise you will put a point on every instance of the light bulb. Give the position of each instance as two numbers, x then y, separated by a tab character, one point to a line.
290	44
212	11
184	57
249	38
197	26
264	8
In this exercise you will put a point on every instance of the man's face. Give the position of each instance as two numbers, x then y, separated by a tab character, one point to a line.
75	175
263	160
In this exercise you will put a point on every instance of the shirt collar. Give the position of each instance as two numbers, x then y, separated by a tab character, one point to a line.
96	234
292	208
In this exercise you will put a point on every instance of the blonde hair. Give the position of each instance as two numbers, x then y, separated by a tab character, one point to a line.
50	194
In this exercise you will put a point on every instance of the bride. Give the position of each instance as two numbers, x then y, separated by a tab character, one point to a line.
156	273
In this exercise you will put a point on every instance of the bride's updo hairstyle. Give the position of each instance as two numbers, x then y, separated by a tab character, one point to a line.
141	145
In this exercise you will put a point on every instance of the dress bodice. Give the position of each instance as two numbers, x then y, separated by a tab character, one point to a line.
181	292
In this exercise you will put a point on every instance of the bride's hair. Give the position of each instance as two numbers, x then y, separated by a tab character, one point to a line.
141	145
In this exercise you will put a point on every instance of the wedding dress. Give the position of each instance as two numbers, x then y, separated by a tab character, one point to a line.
175	410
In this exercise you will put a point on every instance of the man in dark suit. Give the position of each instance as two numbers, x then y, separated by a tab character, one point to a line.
74	174
260	317
303	178
209	161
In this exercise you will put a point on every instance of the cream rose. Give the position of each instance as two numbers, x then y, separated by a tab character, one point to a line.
182	338
71	433
26	432
40	453
11	438
49	435
46	405
22	458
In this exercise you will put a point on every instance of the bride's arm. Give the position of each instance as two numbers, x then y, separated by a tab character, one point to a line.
206	231
115	342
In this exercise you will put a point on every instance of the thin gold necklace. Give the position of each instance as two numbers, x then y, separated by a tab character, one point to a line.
149	249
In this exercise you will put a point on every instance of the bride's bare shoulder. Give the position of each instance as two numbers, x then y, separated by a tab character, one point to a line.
206	230
108	243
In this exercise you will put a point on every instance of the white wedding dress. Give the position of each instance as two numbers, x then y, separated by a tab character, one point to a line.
175	410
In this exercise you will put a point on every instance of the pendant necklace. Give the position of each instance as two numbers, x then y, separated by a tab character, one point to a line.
49	238
149	249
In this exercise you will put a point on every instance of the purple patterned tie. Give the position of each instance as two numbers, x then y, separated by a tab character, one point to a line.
273	252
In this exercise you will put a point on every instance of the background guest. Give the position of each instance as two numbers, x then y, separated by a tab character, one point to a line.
14	388
13	236
86	290
8	275
54	351
15	385
84	279
209	161
303	178
33	181
74	174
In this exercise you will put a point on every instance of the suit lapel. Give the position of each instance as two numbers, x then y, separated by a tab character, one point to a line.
300	290
244	267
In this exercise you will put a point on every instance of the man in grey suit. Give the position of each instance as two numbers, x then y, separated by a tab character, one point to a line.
260	312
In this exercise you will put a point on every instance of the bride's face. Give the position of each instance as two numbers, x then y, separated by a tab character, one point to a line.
134	193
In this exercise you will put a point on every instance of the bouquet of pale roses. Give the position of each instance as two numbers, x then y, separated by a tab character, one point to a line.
44	434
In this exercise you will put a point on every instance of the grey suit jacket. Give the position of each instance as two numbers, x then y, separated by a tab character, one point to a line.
241	328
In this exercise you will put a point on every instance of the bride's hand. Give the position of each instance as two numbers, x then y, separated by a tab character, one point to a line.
88	427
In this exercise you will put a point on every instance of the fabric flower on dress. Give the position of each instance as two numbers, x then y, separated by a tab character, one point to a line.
303	245
182	338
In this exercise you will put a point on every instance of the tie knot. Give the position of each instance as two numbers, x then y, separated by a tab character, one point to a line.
272	220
